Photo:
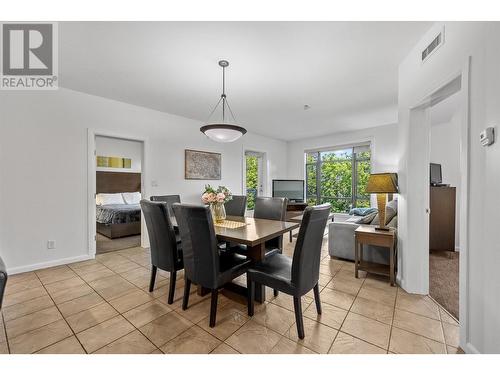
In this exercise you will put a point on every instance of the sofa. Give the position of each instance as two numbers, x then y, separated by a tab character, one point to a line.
341	236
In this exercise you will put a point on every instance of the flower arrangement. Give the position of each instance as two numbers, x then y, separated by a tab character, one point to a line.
216	199
219	195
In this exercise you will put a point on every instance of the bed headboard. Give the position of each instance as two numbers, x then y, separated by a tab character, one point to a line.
117	182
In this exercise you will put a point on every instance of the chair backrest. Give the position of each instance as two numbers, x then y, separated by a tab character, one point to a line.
164	253
271	208
236	206
307	254
169	200
199	244
3	280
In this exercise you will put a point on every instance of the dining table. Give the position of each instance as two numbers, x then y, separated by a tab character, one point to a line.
253	233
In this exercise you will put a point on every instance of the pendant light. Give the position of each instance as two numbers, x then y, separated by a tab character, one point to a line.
223	131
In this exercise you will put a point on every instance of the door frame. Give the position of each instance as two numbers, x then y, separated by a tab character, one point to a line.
419	119
91	181
264	173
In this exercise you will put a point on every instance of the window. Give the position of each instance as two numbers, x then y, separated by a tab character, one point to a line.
338	177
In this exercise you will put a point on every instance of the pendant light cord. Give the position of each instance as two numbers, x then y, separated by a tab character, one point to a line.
224	100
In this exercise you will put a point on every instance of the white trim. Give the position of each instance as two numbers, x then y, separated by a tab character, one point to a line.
51	263
91	183
470	349
341	146
265	172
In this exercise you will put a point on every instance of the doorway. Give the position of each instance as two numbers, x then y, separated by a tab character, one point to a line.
254	177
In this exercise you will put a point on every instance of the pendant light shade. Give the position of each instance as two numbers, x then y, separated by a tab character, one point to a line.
223	131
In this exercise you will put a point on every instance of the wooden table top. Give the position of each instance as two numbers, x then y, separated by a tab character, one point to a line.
370	229
255	232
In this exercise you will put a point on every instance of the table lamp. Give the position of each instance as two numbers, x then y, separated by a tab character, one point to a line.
381	184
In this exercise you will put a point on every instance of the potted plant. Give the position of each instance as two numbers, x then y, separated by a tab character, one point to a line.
216	199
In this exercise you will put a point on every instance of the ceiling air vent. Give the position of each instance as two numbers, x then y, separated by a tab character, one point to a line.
433	46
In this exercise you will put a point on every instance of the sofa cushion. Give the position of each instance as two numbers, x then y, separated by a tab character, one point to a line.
391	210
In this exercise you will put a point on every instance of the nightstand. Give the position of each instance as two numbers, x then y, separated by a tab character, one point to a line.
368	235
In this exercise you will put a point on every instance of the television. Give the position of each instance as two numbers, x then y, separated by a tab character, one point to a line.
436	176
291	189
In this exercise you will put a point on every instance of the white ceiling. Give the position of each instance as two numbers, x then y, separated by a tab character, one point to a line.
346	71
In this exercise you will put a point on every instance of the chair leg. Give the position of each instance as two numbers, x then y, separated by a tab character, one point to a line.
276	292
298	317
251	296
171	290
153	278
213	307
187	288
316	299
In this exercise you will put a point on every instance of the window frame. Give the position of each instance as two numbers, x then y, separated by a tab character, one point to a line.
354	160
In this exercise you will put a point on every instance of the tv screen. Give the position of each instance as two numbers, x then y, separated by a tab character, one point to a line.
291	189
436	177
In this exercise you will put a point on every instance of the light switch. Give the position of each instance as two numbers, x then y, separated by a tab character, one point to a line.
51	244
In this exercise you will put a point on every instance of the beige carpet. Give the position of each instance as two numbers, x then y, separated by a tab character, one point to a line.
105	244
443	273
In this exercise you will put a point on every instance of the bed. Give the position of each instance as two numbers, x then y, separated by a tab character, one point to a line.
114	217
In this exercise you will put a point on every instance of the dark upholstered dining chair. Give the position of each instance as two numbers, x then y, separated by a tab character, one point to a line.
166	253
3	280
236	206
204	265
299	275
271	208
168	199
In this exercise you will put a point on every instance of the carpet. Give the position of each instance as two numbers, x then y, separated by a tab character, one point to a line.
105	244
443	278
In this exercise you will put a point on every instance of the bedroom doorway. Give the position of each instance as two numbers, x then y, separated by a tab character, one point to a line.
118	184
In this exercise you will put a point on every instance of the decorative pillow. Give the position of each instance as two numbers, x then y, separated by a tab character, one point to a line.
391	210
362	211
132	198
102	199
367	219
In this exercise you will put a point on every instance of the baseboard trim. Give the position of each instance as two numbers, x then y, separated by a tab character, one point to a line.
52	263
470	349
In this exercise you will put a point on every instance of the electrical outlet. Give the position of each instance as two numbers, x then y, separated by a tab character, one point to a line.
51	244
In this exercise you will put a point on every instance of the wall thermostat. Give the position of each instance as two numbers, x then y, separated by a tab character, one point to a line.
487	136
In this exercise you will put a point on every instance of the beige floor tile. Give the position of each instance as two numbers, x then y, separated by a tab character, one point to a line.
40	338
225	325
418	324
4	348
91	317
26	308
418	304
370	309
196	311
274	317
385	296
193	341
104	333
124	266
165	328
347	344
329	270
68	289
318	337
66	346
83	263
224	349
32	321
287	346
324	279
84	269
146	313
404	342
347	273
346	285
452	350
24	296
133	343
129	301
447	318
80	304
96	275
22	277
337	298
451	334
286	301
331	316
22	286
253	338
55	274
367	329
112	287
379	282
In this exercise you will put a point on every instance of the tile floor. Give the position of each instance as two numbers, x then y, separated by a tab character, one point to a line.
103	306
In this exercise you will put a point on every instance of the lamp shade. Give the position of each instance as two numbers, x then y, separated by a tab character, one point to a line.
382	183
